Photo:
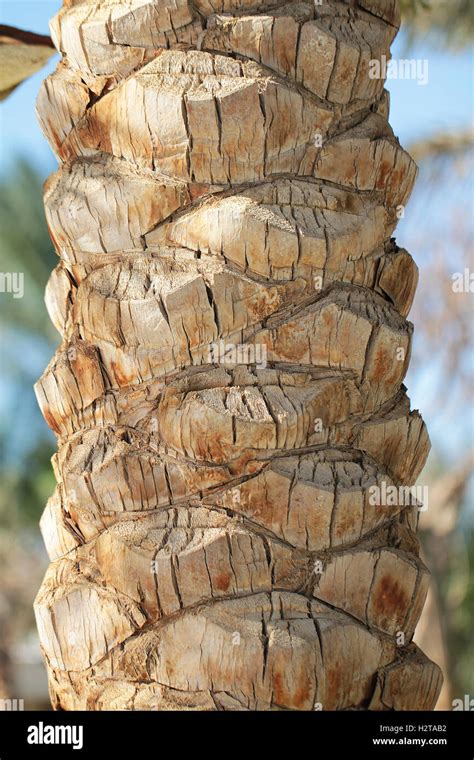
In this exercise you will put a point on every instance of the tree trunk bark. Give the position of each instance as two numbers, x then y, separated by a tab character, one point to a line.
228	393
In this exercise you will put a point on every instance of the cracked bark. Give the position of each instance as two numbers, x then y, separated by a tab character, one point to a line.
212	538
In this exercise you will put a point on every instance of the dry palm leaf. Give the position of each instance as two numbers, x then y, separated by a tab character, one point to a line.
21	54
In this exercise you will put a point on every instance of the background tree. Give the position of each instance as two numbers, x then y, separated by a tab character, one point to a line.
26	447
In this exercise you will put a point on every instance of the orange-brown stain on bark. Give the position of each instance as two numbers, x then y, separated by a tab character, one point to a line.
383	173
300	700
382	364
334	687
50	420
389	597
222	581
121	377
277	688
344	525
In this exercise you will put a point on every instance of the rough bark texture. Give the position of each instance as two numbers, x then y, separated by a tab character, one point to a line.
228	174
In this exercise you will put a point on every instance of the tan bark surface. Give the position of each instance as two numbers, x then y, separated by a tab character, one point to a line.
229	180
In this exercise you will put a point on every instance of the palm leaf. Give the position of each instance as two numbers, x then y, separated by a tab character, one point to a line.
21	55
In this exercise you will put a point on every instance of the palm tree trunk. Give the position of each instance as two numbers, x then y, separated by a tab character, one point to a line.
228	391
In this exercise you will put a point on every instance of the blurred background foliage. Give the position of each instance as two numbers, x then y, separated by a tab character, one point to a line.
27	341
442	367
449	22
